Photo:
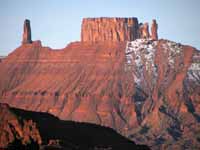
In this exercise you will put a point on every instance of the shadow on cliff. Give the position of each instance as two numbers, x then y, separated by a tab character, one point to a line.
58	134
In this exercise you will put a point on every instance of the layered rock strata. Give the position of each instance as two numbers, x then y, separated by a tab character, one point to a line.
146	89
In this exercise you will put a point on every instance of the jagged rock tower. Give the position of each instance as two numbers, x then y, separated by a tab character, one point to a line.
27	32
144	31
109	29
154	30
115	29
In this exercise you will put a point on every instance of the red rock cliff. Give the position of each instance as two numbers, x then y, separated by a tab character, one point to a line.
109	29
115	29
145	89
144	31
154	29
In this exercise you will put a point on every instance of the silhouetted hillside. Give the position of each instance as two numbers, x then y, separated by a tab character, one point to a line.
34	130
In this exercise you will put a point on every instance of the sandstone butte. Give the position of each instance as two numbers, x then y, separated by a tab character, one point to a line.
119	75
115	29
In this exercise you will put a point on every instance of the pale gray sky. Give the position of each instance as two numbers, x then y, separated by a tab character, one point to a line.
58	22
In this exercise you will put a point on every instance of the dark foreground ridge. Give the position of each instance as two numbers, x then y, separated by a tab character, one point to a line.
20	129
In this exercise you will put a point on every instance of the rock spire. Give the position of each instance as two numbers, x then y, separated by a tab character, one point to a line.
144	31
27	32
154	30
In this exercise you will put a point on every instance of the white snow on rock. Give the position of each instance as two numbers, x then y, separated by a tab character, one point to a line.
173	49
194	69
140	57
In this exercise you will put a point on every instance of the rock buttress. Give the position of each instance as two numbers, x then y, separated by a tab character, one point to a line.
109	29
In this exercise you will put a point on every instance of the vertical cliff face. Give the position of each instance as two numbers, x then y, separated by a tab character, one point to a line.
109	29
116	29
27	32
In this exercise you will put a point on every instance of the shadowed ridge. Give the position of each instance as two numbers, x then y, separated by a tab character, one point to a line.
59	134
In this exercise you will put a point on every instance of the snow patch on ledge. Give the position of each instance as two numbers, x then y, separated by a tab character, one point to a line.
173	49
194	69
140	56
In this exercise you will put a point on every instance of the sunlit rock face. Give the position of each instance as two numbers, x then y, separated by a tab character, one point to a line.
144	31
109	29
115	30
146	89
13	129
154	30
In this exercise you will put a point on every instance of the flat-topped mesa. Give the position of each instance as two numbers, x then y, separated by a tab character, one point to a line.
115	29
109	29
27	32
